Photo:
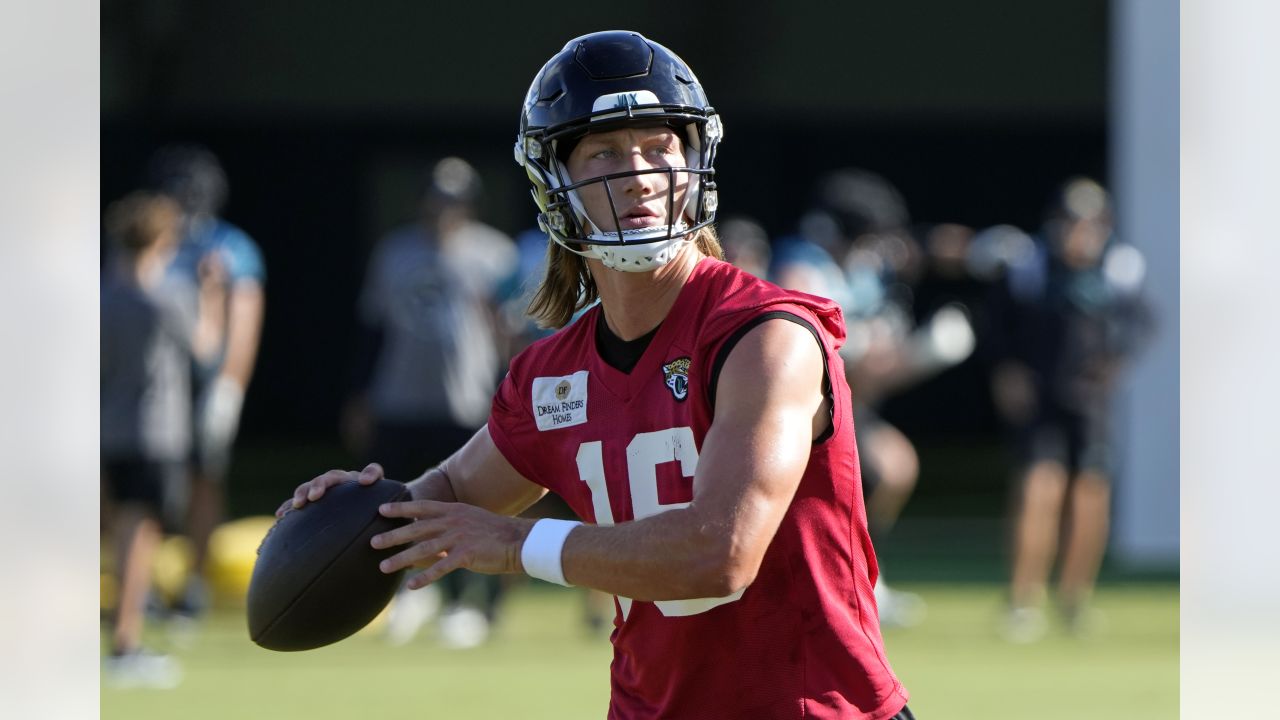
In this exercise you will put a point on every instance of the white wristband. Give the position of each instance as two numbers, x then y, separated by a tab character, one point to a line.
541	550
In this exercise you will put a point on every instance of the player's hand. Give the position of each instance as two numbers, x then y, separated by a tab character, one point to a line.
446	536
219	412
212	274
313	489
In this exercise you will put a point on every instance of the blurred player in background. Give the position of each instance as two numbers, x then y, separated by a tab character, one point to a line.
1071	317
152	325
430	358
856	246
518	328
193	177
746	245
696	417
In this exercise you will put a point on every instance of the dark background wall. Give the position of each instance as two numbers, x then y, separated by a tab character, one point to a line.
324	112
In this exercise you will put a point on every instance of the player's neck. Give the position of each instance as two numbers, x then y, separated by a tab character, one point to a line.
635	303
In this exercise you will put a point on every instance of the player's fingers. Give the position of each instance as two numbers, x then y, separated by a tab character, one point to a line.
314	490
423	551
434	573
285	507
371	474
413	532
417	509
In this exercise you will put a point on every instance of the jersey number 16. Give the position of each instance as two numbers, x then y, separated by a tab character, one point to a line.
645	453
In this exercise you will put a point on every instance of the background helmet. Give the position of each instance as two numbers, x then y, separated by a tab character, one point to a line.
191	175
861	219
600	82
452	181
860	202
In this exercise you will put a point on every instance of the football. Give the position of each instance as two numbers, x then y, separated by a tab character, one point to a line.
316	579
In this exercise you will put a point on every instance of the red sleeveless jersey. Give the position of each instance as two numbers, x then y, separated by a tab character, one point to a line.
803	640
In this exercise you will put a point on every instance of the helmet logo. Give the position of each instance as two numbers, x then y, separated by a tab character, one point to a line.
622	101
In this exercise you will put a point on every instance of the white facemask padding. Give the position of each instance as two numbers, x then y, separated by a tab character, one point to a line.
641	257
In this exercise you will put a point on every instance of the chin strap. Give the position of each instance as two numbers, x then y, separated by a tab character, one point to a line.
639	257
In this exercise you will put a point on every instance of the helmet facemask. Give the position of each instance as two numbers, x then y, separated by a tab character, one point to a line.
563	216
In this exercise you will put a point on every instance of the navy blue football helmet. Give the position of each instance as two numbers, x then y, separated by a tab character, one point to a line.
601	82
191	175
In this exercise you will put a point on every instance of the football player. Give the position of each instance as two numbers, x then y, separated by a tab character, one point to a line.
193	177
153	326
696	419
1072	317
856	246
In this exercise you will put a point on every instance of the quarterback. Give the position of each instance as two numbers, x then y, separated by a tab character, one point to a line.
695	418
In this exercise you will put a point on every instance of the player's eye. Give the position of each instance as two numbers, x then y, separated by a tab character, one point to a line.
662	152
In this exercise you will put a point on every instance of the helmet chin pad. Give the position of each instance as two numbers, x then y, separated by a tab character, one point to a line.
641	257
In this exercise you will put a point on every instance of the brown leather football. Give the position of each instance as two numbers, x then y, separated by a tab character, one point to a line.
316	580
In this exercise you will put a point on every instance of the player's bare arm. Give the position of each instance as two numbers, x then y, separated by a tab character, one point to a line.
476	474
479	475
751	463
244	328
462	513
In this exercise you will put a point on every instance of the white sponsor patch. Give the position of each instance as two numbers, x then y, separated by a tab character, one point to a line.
560	402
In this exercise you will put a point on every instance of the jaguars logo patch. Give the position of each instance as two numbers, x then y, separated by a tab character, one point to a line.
676	374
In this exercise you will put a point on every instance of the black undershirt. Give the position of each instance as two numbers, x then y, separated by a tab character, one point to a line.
621	355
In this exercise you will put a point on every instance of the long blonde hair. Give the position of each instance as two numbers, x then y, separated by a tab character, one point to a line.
567	286
140	219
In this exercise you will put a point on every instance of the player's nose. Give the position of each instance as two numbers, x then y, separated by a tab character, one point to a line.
642	183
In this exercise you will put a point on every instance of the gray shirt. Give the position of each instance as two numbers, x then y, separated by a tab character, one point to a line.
439	359
145	391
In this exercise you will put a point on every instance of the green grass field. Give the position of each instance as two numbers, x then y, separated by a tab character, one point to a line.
542	663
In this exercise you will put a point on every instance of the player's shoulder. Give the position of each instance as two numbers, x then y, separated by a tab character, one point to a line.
487	235
233	236
238	250
557	353
734	292
739	300
486	250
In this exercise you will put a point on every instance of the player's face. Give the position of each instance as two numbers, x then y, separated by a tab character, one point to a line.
167	236
1083	242
639	200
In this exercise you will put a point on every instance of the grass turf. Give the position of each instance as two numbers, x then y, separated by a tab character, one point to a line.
542	663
